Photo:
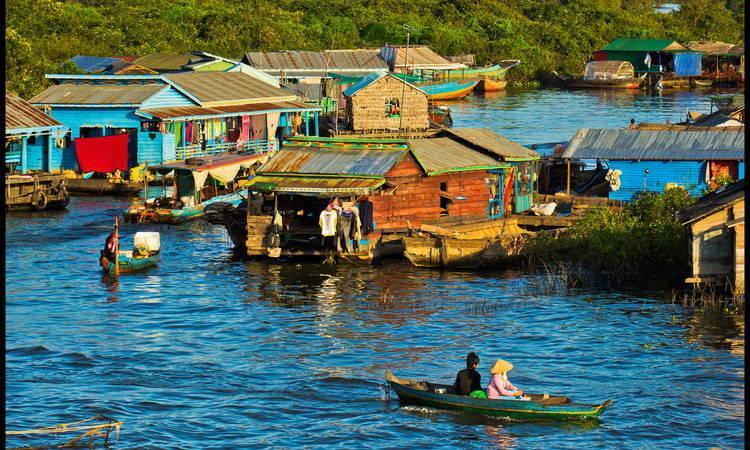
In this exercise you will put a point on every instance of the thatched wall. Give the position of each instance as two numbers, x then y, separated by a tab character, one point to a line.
366	110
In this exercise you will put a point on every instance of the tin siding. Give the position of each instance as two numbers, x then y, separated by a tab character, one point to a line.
149	147
690	174
168	147
169	97
35	157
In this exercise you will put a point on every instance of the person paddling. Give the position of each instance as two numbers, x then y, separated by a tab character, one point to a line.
499	385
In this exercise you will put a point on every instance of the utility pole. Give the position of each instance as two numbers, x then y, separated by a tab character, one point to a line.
406	71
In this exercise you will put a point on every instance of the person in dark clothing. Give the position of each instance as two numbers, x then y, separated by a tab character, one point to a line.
469	380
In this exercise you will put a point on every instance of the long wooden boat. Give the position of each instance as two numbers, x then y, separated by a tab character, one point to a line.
490	84
95	186
449	91
450	253
155	214
536	407
623	83
497	71
700	82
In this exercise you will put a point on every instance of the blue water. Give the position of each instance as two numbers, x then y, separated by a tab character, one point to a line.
206	351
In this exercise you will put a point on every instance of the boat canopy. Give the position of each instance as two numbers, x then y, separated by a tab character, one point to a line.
608	70
222	168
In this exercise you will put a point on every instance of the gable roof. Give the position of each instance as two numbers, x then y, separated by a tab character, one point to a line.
715	48
712	202
644	45
164	63
226	88
419	57
21	116
316	64
493	143
339	161
100	95
371	79
619	144
444	155
94	64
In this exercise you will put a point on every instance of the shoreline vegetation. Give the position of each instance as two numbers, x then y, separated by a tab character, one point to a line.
642	246
41	35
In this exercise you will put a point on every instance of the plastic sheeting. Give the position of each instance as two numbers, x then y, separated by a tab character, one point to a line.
687	64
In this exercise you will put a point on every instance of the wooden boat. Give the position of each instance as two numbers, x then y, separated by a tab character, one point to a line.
490	84
699	83
450	253
449	91
98	186
535	408
440	115
497	71
145	254
173	213
622	83
234	219
37	191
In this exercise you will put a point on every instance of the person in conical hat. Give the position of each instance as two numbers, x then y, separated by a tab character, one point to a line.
499	385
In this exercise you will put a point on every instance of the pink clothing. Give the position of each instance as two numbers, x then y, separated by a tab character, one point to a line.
499	386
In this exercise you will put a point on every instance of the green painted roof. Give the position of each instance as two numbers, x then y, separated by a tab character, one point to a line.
644	45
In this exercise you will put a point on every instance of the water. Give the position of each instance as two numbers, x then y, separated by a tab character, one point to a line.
206	351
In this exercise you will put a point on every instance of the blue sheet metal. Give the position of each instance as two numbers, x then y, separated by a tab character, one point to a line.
93	64
687	64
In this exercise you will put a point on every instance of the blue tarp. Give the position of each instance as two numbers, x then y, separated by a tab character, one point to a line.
687	64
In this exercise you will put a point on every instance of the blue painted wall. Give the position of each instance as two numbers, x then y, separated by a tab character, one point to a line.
690	174
169	97
35	154
168	147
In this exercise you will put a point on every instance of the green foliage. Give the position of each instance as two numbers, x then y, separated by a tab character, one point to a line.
544	34
642	243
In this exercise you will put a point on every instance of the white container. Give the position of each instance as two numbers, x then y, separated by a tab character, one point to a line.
148	239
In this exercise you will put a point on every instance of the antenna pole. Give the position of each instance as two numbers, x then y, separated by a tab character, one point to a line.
406	71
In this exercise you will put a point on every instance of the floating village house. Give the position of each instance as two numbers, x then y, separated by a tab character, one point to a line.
381	102
396	184
717	57
656	57
33	140
716	238
649	160
173	116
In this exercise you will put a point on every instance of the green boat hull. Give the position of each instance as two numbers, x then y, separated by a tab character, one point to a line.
508	409
131	265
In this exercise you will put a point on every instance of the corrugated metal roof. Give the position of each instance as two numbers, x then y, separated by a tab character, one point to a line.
315	185
20	114
226	88
210	162
712	202
443	155
644	45
656	145
679	127
715	48
190	111
332	161
305	63
88	94
420	57
493	142
93	64
161	62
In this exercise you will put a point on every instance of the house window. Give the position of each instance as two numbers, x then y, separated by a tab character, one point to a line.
392	108
31	140
445	200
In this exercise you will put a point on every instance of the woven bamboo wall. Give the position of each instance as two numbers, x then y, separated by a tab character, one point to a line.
366	109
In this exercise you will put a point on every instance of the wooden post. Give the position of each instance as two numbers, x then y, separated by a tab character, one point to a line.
50	146
568	188
117	247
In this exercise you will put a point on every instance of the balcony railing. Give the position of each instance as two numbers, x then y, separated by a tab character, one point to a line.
195	150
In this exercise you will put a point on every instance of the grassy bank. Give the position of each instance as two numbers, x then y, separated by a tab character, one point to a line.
548	34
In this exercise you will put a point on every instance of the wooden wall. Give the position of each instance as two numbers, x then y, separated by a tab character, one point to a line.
717	247
417	198
366	109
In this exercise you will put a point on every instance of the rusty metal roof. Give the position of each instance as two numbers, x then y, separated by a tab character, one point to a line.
445	155
339	161
196	112
296	63
161	62
211	89
420	57
88	94
319	186
618	144
493	143
21	115
715	48
712	202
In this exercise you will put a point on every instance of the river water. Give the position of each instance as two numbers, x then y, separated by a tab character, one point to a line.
207	351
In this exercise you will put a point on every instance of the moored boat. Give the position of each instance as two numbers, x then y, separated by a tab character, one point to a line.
449	91
701	82
531	407
626	83
452	253
611	74
490	84
496	71
98	186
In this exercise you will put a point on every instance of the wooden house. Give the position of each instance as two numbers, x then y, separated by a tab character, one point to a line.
716	238
383	102
177	115
659	58
397	185
649	159
721	62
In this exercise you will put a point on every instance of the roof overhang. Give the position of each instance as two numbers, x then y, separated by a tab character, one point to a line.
183	113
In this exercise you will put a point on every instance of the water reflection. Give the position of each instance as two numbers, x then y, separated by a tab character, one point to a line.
716	329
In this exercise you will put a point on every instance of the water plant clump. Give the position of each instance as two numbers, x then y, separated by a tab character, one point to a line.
642	244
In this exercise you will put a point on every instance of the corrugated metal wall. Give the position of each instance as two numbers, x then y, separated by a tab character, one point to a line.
169	97
149	147
690	174
168	147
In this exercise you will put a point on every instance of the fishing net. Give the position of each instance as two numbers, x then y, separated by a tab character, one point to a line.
94	432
